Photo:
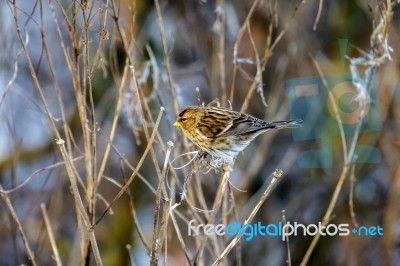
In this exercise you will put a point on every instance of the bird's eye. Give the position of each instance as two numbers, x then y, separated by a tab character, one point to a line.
183	120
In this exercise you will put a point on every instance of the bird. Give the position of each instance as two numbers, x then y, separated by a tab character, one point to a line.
222	132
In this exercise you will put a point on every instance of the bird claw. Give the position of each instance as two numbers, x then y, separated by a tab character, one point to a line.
202	155
215	163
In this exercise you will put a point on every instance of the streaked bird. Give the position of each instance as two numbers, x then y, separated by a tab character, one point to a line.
224	133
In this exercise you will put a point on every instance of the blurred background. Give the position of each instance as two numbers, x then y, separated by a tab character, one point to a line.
82	87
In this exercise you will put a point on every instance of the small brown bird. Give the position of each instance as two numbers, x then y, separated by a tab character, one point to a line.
224	133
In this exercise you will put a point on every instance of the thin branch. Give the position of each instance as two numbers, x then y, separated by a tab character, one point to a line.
166	57
321	2
26	181
351	196
129	181
51	235
157	242
277	174
19	227
289	258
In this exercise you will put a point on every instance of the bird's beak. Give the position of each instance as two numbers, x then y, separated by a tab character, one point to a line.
177	124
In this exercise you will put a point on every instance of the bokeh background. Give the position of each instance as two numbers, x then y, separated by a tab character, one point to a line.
95	74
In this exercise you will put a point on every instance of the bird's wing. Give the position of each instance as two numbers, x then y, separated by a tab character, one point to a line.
248	124
214	128
243	124
216	121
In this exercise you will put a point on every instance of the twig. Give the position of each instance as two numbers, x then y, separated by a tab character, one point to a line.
283	32
335	110
217	203
289	259
179	235
257	80
26	181
136	222
157	242
236	48
129	251
220	21
81	211
14	76
166	57
277	174
321	2
114	125
133	211
351	196
51	235
19	226
327	215
128	182
268	52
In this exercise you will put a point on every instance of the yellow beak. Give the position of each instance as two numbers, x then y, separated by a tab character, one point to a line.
177	124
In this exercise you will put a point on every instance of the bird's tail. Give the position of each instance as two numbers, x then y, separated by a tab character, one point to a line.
286	124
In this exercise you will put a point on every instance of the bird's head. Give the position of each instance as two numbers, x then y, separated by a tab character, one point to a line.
188	119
